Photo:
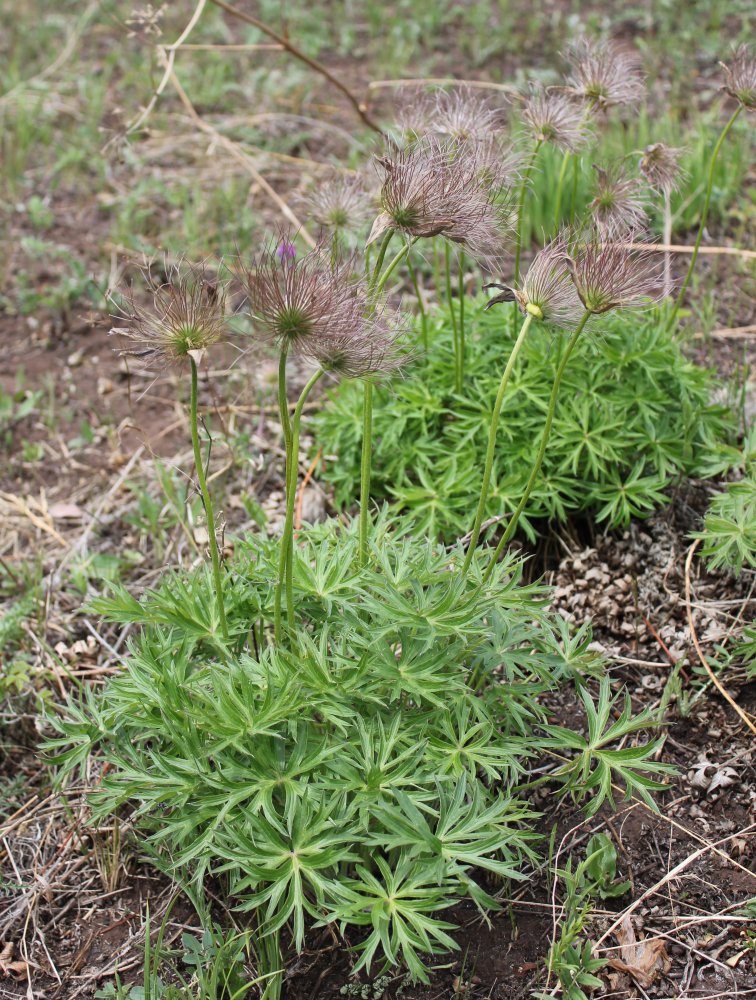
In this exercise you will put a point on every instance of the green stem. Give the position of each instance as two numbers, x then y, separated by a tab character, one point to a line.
461	318
573	201
704	215
453	315
475	534
283	403
560	190
518	231
542	447
283	410
285	562
520	210
375	287
391	267
667	237
367	442
208	504
379	261
421	308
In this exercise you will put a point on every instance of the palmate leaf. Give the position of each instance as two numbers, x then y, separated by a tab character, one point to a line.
451	607
416	669
399	904
289	863
327	574
463	832
380	759
632	495
596	765
465	742
729	534
245	700
187	605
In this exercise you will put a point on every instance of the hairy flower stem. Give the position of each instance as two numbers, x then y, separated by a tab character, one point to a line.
208	504
374	287
511	527
461	294
283	410
286	561
453	317
487	468
573	202
365	470
421	308
704	215
391	267
518	231
560	190
667	237
379	260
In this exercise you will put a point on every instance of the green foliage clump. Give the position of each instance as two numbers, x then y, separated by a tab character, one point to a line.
633	415
729	531
366	770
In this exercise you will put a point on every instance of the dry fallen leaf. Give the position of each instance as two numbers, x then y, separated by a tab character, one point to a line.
19	968
59	511
643	960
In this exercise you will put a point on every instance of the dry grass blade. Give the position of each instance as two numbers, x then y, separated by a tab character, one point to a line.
684	248
667	877
168	54
36	512
307	60
704	662
235	150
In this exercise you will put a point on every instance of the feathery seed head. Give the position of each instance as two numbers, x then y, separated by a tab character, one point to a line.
467	115
740	77
460	113
619	204
602	74
547	292
660	165
339	203
499	162
187	315
372	352
615	274
298	303
316	309
556	118
434	188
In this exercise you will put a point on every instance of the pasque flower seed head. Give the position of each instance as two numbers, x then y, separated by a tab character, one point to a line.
435	187
316	308
602	74
372	351
660	165
547	292
619	205
614	274
186	315
556	118
460	113
296	302
339	203
740	77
